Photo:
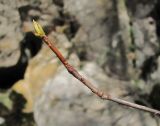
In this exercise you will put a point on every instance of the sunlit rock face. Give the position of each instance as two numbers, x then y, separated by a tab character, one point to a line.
64	100
40	68
114	43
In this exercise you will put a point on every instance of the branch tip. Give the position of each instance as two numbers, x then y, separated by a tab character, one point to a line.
38	29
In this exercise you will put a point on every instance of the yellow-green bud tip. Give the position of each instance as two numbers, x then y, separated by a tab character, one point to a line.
38	29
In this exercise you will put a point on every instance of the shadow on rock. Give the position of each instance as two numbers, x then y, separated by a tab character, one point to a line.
29	47
15	115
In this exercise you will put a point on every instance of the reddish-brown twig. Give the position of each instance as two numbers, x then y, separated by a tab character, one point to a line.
87	83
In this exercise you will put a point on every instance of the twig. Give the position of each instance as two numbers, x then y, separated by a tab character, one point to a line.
87	83
74	72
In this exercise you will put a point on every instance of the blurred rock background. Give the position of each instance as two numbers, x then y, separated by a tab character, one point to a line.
114	43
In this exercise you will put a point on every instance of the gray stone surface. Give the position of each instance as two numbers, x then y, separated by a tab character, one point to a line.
98	31
65	101
2	120
10	34
92	18
145	38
